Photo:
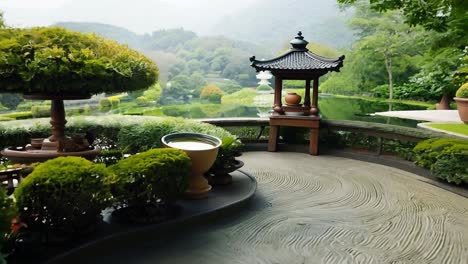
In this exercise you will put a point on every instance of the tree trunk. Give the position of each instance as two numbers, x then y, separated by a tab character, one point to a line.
388	66
444	103
57	114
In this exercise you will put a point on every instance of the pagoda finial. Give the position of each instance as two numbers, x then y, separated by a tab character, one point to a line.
298	43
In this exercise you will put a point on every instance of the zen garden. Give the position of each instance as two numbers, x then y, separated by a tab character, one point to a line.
174	148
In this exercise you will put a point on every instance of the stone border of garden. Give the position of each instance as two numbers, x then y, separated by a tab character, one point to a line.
222	200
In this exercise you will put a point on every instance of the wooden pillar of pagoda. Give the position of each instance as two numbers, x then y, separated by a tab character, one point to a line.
277	105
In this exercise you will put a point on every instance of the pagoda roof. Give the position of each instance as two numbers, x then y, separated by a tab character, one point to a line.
298	58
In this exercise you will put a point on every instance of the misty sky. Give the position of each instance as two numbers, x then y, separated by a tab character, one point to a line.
140	16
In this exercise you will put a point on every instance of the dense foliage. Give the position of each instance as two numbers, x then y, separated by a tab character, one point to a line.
151	176
7	213
113	130
56	61
64	195
446	158
432	14
412	59
134	139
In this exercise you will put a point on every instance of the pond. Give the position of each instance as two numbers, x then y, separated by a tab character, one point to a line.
330	108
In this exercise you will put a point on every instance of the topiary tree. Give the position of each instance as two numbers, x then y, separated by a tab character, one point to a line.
57	64
211	93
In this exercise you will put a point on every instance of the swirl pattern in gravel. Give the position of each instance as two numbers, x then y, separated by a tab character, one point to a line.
324	209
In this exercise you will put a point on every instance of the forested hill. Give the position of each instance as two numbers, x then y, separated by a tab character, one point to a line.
178	52
268	22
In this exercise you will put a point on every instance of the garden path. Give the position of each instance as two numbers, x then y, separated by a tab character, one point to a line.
321	209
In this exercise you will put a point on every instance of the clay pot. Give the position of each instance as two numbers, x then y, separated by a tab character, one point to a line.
292	99
462	106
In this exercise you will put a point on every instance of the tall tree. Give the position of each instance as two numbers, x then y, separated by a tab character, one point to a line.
386	39
432	14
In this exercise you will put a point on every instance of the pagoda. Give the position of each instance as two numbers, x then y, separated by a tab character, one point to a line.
298	63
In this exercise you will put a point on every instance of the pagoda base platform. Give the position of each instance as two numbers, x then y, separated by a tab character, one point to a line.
311	122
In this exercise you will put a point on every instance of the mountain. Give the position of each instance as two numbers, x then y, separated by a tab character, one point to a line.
181	52
271	23
116	33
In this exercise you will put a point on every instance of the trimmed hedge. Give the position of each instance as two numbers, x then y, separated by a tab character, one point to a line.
146	178
447	158
40	111
133	139
129	133
19	115
65	195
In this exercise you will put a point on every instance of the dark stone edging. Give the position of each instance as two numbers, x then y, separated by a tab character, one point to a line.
224	200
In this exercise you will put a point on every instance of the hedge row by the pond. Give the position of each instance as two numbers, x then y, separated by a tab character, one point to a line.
447	158
130	133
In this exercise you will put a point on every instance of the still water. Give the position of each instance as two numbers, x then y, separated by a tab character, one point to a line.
330	108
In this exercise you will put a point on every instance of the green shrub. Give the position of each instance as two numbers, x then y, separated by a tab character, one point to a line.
447	158
141	101
452	167
264	87
114	102
133	139
231	148
109	156
153	112
244	97
427	151
4	118
19	115
176	110
105	104
138	113
65	195
211	93
462	92
25	106
40	111
151	176
132	134
7	213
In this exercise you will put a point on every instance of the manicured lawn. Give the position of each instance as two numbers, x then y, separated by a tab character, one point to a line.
456	128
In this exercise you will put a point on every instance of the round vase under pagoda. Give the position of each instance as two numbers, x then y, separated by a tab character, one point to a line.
292	99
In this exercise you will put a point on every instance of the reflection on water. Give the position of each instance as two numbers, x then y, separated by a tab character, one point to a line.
330	108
